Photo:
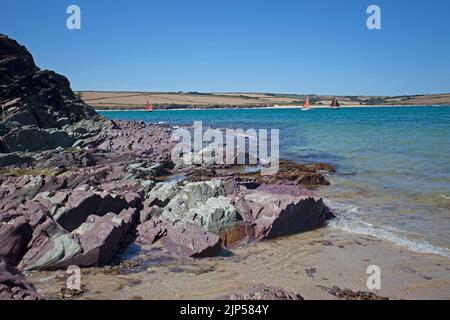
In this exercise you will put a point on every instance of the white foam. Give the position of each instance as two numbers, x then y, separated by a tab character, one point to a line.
349	220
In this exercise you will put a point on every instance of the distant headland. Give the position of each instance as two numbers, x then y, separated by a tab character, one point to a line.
127	100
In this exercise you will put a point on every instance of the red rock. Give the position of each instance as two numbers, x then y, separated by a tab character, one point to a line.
14	238
151	230
130	219
276	215
149	212
13	286
99	238
73	207
190	241
242	232
50	247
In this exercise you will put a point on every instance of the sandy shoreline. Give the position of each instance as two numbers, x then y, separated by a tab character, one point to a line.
306	263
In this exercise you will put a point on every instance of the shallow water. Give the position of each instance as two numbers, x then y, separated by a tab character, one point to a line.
305	263
393	179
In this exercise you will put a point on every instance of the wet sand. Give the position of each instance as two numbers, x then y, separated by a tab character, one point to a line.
303	263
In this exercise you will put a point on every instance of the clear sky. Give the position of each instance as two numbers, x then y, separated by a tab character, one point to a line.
318	46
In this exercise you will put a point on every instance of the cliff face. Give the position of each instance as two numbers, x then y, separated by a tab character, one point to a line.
38	109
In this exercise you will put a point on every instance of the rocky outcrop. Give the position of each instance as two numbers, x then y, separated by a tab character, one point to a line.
289	173
278	215
71	208
235	214
14	237
99	238
190	241
152	230
93	243
13	286
38	110
50	247
139	138
203	204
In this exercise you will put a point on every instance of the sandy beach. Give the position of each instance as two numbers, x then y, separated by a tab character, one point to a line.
308	263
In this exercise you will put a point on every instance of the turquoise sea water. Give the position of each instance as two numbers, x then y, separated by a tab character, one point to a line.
393	179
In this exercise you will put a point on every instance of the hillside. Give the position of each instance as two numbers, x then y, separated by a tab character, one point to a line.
172	100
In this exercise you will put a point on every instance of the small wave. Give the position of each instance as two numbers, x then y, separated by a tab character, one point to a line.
444	196
349	220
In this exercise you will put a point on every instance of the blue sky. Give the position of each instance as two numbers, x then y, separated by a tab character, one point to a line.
283	46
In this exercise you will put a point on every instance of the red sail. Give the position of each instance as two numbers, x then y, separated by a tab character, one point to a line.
148	106
306	106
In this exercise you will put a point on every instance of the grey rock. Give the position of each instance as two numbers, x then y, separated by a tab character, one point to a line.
163	192
214	215
39	111
11	159
203	204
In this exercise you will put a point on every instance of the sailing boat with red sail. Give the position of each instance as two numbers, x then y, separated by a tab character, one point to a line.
306	105
335	104
148	107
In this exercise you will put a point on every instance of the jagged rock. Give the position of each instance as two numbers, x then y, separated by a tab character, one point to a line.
99	238
203	204
149	212
263	292
88	160
190	241
195	192
13	286
70	209
11	159
14	237
29	189
38	108
162	193
130	219
241	215
144	171
93	243
289	173
213	215
154	141
126	187
276	215
32	139
50	247
152	230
